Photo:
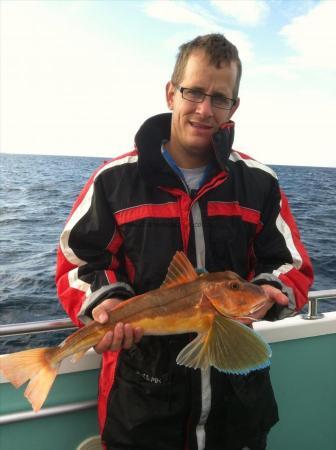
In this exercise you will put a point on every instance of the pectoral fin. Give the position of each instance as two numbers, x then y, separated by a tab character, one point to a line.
228	346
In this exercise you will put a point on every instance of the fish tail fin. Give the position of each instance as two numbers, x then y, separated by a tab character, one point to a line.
39	386
36	365
229	346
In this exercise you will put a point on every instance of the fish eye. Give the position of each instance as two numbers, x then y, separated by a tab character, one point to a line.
234	285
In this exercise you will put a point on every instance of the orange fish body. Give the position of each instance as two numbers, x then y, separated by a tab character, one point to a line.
208	304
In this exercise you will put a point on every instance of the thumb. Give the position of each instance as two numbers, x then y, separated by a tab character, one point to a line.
99	314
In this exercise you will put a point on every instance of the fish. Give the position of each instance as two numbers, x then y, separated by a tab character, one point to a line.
209	304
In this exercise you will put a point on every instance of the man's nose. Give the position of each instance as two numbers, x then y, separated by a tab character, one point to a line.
205	108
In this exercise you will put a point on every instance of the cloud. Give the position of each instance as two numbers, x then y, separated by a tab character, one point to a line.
196	16
250	13
179	12
280	71
69	87
313	37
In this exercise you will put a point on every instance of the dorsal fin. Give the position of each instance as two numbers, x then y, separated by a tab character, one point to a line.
180	271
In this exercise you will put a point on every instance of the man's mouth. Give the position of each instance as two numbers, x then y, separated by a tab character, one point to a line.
200	125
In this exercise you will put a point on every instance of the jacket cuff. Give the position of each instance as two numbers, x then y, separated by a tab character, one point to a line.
121	291
278	311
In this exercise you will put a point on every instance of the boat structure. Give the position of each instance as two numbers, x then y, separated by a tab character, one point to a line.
303	372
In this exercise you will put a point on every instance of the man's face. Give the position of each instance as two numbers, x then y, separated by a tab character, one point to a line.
193	124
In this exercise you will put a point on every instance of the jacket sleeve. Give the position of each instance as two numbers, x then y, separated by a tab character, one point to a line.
281	259
90	258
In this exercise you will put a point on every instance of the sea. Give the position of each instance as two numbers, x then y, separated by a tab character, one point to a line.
36	196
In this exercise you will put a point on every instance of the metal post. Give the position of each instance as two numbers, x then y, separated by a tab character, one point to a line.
313	313
313	299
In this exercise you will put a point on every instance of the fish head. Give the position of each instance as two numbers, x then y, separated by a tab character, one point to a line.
232	296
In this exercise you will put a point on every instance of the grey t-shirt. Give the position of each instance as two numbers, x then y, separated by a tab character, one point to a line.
193	177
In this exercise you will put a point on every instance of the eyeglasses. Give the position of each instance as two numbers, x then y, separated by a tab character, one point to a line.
217	100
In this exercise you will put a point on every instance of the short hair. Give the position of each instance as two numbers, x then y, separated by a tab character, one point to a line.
218	49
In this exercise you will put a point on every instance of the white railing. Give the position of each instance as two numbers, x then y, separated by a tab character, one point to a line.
46	412
65	324
15	329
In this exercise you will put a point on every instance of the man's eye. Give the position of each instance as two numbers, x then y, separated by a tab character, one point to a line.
220	100
195	94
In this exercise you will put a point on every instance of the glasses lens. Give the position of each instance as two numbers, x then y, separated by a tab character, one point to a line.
193	95
220	101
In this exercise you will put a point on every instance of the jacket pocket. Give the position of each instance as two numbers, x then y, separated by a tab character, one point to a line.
147	403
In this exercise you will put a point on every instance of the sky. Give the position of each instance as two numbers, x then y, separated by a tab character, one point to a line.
80	77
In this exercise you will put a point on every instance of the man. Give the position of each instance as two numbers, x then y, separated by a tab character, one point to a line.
182	188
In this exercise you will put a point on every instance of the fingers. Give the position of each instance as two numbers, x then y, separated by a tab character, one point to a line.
118	337
105	343
122	337
138	333
281	299
128	339
275	295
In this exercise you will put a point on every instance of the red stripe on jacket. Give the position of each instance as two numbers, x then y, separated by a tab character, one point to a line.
233	209
106	380
162	211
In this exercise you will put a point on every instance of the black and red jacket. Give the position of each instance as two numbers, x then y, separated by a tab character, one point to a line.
130	219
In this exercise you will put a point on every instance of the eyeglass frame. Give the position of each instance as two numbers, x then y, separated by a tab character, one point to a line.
181	89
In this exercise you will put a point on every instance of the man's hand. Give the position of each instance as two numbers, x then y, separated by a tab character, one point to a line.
123	335
274	295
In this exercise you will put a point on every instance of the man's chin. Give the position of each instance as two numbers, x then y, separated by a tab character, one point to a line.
200	155
199	147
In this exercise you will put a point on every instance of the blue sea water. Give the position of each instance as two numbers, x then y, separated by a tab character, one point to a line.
37	193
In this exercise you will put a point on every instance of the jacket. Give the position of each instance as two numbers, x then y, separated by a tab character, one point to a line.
131	217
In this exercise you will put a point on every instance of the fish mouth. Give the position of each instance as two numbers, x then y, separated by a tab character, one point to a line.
253	311
248	316
257	308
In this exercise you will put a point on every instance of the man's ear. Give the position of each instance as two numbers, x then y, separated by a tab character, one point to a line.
235	107
170	92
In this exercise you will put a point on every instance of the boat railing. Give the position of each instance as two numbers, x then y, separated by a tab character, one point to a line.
65	324
21	416
314	297
41	326
313	300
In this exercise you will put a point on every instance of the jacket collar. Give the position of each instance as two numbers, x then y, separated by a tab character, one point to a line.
153	166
